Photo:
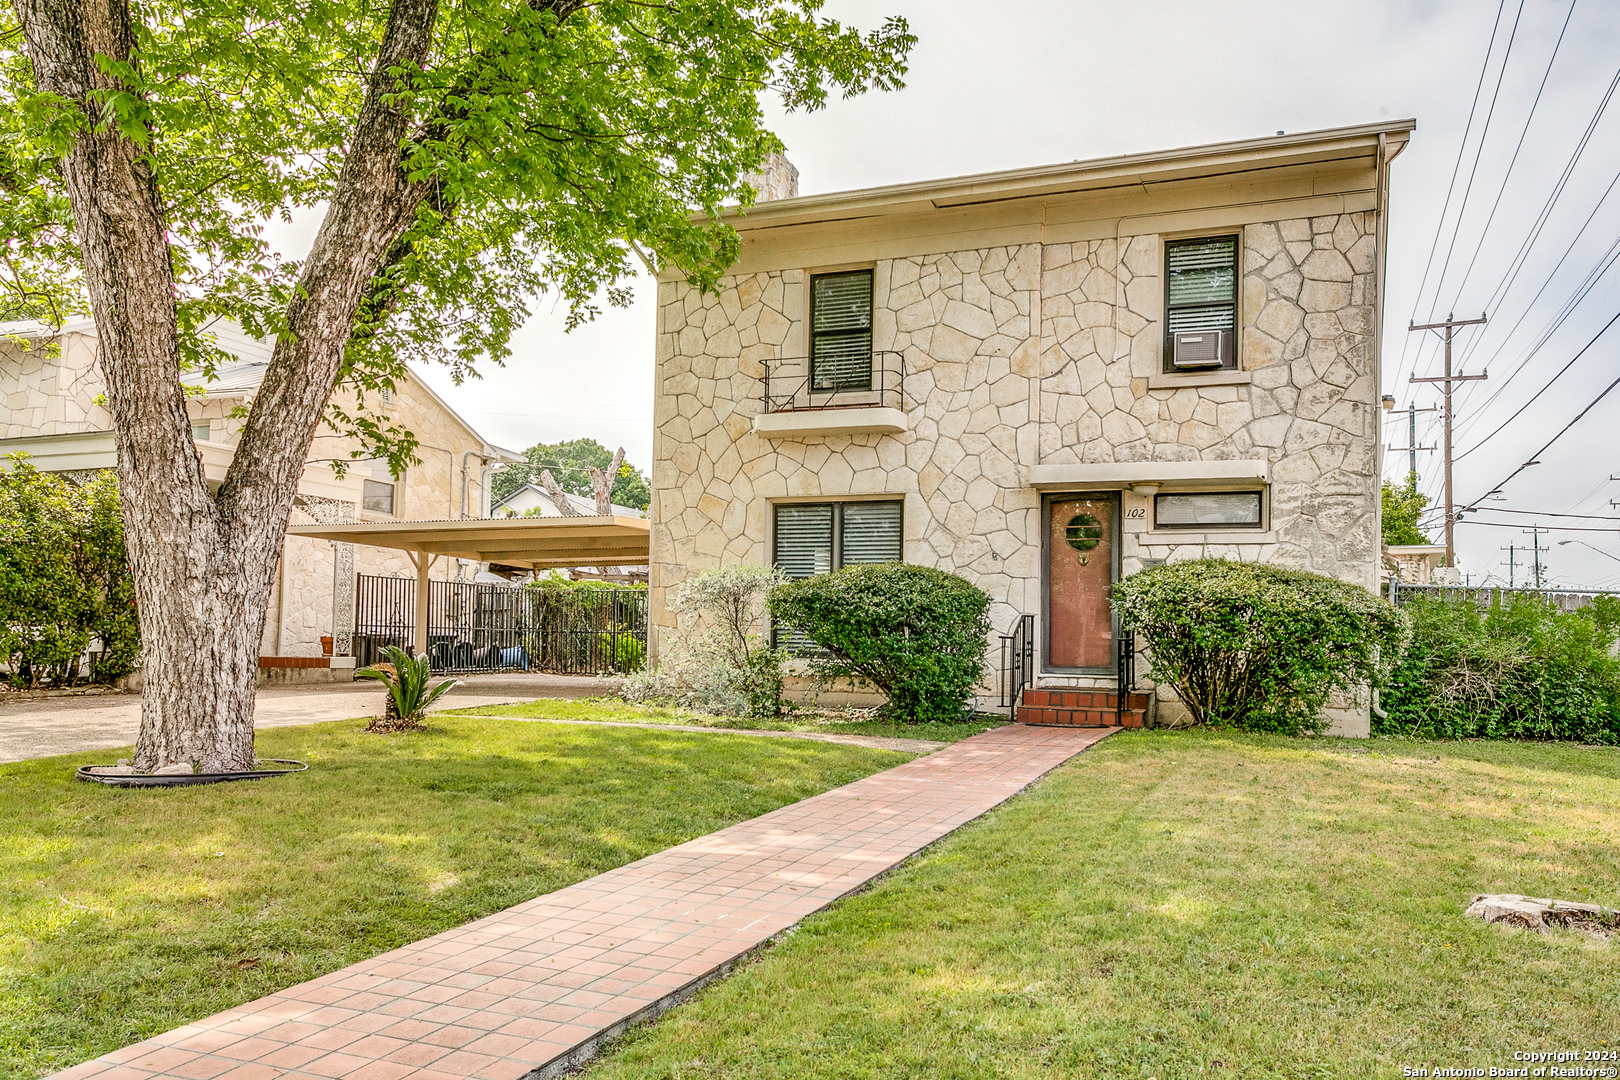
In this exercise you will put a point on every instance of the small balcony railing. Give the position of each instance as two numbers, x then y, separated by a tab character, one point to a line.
792	384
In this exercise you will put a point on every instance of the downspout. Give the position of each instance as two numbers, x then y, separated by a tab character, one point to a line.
470	453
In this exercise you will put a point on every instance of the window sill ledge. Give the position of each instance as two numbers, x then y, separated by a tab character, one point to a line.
1171	381
810	423
1160	537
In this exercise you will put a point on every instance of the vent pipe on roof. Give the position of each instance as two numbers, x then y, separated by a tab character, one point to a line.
777	179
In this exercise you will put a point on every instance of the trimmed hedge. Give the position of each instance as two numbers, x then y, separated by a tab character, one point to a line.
1515	667
916	633
1259	647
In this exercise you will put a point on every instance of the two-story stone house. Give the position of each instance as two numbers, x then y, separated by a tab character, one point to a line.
1040	379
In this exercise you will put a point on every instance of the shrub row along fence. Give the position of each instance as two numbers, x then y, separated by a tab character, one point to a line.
481	626
1565	600
1487	663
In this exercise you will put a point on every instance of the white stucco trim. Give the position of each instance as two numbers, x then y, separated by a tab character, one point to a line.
1121	474
877	420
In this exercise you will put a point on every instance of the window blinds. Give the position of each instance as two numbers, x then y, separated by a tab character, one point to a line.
871	532
813	538
804	539
1202	277
841	331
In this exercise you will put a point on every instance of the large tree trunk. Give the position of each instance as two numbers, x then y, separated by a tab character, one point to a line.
203	563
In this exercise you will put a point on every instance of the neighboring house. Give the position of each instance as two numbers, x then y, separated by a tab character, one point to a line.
53	414
1419	564
533	499
1043	380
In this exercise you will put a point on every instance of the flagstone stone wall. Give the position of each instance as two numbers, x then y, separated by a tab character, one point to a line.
1024	355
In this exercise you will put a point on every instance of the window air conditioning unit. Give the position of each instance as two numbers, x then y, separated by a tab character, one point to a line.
1201	348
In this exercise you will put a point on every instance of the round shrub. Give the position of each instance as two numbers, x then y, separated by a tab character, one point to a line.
1259	647
915	633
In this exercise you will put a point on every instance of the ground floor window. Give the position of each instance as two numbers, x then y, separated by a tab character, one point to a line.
1208	509
814	538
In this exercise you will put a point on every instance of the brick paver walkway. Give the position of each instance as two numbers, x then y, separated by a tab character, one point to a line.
533	989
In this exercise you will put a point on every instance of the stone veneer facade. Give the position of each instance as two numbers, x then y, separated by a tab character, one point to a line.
1039	353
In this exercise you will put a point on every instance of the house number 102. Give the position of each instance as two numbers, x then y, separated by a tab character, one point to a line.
1136	512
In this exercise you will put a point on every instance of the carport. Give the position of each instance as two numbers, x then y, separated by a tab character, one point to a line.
518	543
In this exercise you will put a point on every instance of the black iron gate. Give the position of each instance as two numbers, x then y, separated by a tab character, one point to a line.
482	626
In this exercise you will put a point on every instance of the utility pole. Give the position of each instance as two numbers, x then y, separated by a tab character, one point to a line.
1510	549
1446	381
1411	448
1536	549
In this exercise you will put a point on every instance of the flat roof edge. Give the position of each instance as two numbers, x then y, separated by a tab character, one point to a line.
1244	155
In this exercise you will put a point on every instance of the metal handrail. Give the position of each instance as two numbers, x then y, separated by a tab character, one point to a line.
1017	663
789	385
1124	674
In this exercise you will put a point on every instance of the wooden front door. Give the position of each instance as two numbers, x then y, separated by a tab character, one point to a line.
1082	559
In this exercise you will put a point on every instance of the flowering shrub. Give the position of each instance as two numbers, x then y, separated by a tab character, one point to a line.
1259	647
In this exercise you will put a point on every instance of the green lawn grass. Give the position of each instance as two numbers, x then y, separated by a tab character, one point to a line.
616	711
125	913
1195	905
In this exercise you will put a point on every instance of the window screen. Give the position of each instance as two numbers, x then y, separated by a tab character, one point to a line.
1209	509
1200	289
841	331
377	497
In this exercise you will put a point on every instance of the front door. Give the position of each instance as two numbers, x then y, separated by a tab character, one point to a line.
1082	562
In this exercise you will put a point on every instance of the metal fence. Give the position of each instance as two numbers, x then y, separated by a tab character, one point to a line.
482	626
1564	599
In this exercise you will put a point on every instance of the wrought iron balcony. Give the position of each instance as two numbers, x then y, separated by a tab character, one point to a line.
793	384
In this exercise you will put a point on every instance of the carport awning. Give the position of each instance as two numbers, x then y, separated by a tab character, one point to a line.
530	543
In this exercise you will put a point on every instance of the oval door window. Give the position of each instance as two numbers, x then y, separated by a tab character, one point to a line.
1084	532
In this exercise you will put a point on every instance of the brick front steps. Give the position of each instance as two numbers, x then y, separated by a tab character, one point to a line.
1080	708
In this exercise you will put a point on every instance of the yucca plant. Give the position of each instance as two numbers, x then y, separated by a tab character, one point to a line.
409	694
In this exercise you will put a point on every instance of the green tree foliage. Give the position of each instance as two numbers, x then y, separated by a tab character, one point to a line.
1507	666
916	633
64	578
568	462
1402	507
1259	647
552	146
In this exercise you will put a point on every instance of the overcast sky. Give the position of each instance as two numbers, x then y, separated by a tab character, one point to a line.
1031	83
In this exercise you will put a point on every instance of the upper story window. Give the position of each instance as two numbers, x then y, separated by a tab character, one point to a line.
1200	308
377	493
201	430
841	331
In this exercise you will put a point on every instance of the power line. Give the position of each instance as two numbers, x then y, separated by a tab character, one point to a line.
1535	458
1548	513
1485	231
1543	390
1581	292
1484	132
1462	148
1469	352
1517	263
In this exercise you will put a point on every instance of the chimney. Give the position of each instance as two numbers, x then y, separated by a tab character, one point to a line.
777	179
